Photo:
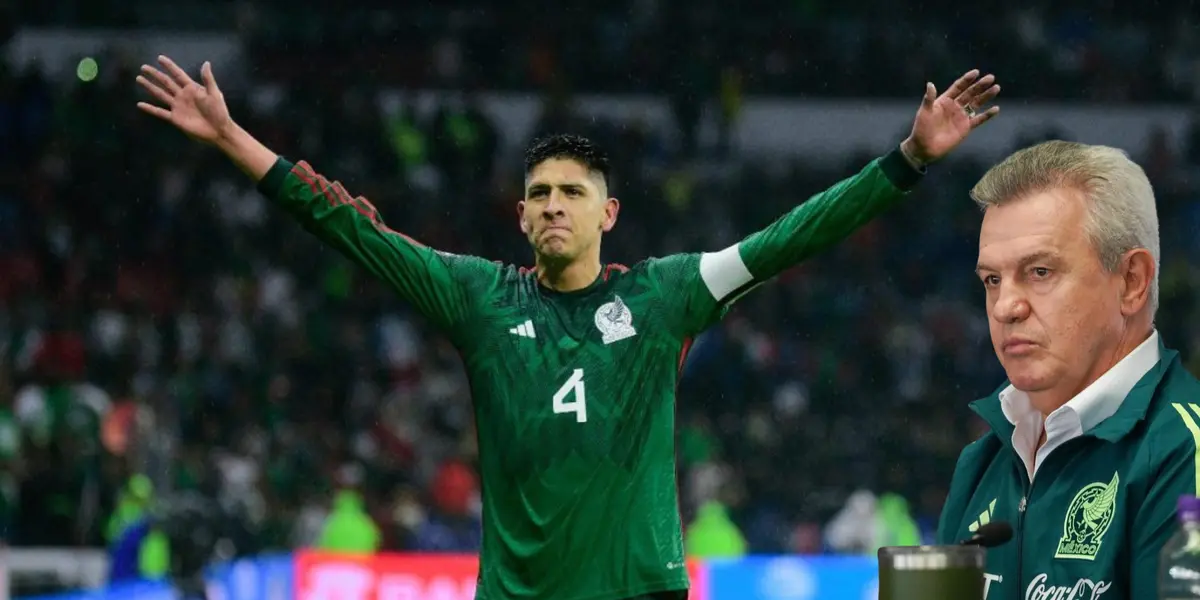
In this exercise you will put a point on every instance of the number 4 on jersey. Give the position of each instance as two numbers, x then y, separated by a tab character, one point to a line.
577	404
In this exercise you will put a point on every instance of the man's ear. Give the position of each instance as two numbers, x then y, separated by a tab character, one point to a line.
1137	271
521	217
612	206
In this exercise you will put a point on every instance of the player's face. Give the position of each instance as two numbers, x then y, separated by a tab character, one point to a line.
1054	312
565	209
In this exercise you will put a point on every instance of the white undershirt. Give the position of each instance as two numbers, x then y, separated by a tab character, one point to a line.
1093	405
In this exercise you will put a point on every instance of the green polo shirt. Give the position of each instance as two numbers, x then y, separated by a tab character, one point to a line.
1090	523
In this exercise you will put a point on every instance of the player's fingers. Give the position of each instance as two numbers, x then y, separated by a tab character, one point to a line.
987	96
964	82
179	75
157	92
161	79
157	111
210	82
984	117
930	94
970	97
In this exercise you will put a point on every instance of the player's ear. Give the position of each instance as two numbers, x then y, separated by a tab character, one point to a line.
521	217
611	207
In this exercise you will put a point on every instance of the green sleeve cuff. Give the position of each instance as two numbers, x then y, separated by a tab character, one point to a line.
271	183
899	171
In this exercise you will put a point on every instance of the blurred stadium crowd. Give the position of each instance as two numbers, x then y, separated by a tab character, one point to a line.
1066	49
158	317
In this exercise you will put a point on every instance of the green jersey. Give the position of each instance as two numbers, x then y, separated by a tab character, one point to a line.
574	393
1091	523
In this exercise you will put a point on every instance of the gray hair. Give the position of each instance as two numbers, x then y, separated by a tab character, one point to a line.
1121	214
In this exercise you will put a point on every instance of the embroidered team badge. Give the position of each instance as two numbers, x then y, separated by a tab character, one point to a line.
1087	520
614	321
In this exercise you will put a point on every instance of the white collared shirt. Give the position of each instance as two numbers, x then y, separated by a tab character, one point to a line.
1093	405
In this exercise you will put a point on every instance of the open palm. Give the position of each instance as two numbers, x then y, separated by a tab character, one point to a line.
943	122
197	110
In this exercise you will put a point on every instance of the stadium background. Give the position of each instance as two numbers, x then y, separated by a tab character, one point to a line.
157	318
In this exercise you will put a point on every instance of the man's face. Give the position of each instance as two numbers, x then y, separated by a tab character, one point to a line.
1053	310
565	209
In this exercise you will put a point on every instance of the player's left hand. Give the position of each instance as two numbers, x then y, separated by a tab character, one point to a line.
944	121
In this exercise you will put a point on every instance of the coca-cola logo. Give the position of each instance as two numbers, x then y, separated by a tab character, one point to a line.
1083	589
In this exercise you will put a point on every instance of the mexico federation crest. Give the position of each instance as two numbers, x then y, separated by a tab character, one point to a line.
614	321
1087	520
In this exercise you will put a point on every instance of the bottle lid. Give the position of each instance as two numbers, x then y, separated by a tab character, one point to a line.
1189	508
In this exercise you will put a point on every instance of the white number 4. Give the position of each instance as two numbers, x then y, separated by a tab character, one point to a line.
578	404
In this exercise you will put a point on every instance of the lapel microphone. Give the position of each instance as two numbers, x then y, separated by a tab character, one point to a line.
996	533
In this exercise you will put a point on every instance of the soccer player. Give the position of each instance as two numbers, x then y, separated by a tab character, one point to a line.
573	363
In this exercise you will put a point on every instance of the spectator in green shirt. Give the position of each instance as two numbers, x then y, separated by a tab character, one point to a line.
349	529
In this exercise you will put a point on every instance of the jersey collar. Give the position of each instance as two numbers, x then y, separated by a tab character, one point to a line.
1105	419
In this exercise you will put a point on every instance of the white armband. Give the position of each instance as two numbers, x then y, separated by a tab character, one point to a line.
724	272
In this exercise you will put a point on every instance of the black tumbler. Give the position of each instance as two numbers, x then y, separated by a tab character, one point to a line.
931	573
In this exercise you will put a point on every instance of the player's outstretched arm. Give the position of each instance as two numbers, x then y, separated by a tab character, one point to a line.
942	123
431	281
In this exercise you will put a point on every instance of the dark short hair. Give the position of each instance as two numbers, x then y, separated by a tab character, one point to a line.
567	146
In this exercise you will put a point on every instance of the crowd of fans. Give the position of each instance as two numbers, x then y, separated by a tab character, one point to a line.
1066	49
157	316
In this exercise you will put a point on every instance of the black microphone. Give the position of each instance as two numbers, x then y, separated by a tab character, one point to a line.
996	533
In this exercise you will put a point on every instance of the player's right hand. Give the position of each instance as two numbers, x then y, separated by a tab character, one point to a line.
197	110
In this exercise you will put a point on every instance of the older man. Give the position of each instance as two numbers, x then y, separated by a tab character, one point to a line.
1094	437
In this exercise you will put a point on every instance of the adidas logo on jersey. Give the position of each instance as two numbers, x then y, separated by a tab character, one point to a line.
524	330
985	517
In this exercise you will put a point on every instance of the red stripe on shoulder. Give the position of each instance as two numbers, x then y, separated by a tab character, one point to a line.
683	352
609	268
